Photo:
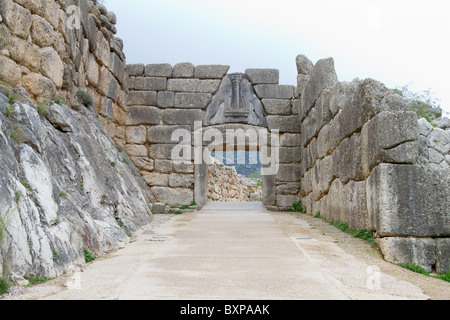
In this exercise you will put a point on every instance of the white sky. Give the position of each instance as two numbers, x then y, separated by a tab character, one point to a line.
397	42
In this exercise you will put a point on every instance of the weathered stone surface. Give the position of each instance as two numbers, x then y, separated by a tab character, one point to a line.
165	99
143	115
181	180
150	83
192	100
304	65
285	201
142	98
173	196
280	107
274	91
288	173
290	140
390	137
17	18
52	66
182	116
163	134
156	179
193	85
108	85
290	155
42	32
161	151
401	201
342	95
134	150
158	70
288	189
39	85
263	76
443	255
183	70
136	135
284	123
145	164
210	71
135	69
164	166
323	76
420	251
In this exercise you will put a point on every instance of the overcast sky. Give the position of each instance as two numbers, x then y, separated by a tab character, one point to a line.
396	42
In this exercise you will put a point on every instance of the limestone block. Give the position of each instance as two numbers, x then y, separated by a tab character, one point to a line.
322	177
280	107
156	179
117	67
17	18
158	70
142	98
42	32
342	95
161	151
323	76
182	116
288	189
424	127
354	204
285	124
290	140
108	85
135	69
323	142
173	196
288	173
192	100
306	183
439	140
106	107
163	134
263	76
407	200
274	91
165	99
334	202
150	83
302	80
163	166
143	115
419	251
304	65
183	70
350	159
38	85
181	180
136	150
145	163
52	66
286	201
136	135
290	155
443	255
193	85
92	70
103	50
181	167
390	137
25	53
210	71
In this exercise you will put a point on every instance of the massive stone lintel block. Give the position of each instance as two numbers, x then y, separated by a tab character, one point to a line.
263	76
274	91
409	200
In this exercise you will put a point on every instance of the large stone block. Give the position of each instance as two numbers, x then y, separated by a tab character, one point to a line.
142	98
158	70
17	18
163	134
281	107
285	202
181	180
135	70
193	85
183	70
274	91
290	140
390	137
42	32
52	66
290	155
8	71
211	71
263	76
285	124
143	115
173	196
323	76
182	116
150	83
304	65
165	99
443	255
156	179
354	204
342	95
192	100
407	200
108	85
161	151
136	134
420	251
136	150
37	85
288	173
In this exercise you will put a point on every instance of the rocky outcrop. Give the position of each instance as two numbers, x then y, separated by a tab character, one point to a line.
225	184
64	186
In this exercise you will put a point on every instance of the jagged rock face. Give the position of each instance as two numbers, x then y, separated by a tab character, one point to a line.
64	186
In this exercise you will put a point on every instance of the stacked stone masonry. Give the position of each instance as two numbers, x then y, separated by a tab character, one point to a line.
368	162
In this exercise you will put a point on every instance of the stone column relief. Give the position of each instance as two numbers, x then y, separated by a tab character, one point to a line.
235	102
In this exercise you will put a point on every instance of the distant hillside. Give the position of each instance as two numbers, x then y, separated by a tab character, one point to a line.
245	162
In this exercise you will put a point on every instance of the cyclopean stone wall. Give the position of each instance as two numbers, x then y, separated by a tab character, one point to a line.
55	48
367	161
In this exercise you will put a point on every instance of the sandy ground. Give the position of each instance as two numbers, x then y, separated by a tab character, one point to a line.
302	258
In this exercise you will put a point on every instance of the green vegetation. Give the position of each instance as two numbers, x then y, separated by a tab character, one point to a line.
36	280
59	101
363	233
5	284
88	256
63	194
55	256
17	196
297	207
418	269
423	103
85	98
17	135
9	110
42	108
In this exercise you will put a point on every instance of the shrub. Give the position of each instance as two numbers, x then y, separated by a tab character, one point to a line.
42	108
88	256
297	207
85	98
422	103
5	284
